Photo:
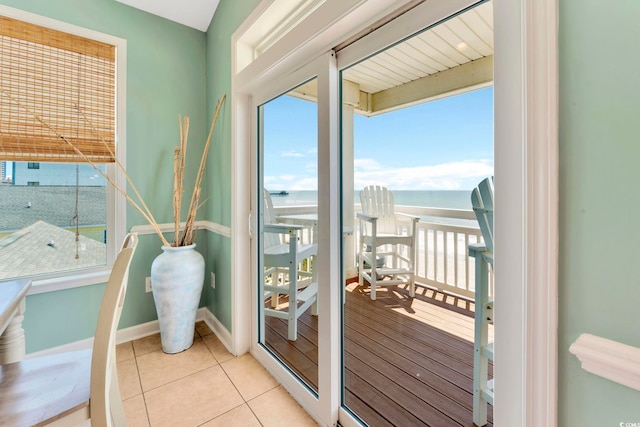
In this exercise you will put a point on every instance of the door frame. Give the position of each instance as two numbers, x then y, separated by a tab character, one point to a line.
526	228
323	70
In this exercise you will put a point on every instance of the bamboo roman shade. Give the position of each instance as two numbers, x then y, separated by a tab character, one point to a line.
54	87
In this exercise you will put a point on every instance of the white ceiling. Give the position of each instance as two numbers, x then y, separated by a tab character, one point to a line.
192	13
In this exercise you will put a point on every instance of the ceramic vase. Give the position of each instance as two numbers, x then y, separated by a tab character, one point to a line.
177	276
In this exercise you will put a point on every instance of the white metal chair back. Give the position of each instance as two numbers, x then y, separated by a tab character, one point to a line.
482	202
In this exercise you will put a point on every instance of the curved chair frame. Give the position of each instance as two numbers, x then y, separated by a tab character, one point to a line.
66	389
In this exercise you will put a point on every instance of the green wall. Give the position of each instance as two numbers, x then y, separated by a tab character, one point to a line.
599	278
229	15
166	76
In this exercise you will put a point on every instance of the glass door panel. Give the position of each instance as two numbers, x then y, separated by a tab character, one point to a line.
417	131
288	250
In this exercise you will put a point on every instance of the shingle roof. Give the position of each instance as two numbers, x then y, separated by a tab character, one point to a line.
55	205
44	248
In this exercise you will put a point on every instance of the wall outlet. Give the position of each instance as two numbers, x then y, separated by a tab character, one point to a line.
147	286
213	280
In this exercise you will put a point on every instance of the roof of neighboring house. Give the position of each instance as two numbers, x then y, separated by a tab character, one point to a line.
55	205
44	248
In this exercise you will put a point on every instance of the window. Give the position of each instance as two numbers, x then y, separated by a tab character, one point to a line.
58	132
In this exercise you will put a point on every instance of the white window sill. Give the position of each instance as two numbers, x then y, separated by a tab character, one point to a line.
70	280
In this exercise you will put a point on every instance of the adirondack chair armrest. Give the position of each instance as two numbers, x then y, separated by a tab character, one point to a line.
366	217
408	216
479	250
303	222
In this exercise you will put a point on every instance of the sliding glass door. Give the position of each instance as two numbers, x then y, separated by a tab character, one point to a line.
317	141
296	272
417	137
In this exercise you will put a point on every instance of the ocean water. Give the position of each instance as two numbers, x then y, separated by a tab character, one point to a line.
458	199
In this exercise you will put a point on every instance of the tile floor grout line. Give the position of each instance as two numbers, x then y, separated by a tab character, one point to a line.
144	398
246	402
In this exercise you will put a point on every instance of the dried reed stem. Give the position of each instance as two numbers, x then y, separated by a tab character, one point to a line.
188	233
148	215
179	172
176	189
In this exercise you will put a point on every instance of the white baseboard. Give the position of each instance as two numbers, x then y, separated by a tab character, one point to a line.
140	331
218	328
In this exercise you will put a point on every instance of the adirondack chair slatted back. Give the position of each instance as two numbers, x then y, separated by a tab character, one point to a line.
378	201
269	239
482	202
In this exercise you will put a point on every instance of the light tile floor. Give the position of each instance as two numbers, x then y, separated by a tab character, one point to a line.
202	386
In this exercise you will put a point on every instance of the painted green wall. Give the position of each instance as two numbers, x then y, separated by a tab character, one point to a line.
599	278
229	15
166	76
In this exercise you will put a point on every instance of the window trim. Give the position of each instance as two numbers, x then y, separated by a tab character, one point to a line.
116	202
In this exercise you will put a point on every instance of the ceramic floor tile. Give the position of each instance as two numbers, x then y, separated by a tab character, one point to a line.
202	329
276	408
158	368
147	345
217	348
192	400
249	376
238	417
124	351
135	412
128	379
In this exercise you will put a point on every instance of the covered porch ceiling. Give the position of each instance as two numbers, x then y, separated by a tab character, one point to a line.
450	58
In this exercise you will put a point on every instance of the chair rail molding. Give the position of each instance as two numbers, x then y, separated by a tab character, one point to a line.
214	227
609	359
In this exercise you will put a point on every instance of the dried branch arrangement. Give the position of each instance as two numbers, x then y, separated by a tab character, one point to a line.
188	234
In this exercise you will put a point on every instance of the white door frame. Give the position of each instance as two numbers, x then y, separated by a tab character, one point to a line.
526	231
324	70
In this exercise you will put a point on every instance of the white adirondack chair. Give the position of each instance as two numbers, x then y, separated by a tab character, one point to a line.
284	274
382	238
482	202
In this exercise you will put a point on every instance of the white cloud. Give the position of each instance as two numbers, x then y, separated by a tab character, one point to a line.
459	175
291	154
445	176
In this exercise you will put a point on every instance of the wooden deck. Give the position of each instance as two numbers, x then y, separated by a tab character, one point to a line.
408	362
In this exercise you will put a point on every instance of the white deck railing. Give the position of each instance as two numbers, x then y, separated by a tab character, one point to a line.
442	258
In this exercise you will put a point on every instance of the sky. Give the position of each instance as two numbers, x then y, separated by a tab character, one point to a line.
440	145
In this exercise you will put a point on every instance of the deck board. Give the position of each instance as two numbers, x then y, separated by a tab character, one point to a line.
408	361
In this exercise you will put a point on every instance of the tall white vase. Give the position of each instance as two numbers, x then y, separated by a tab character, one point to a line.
177	276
